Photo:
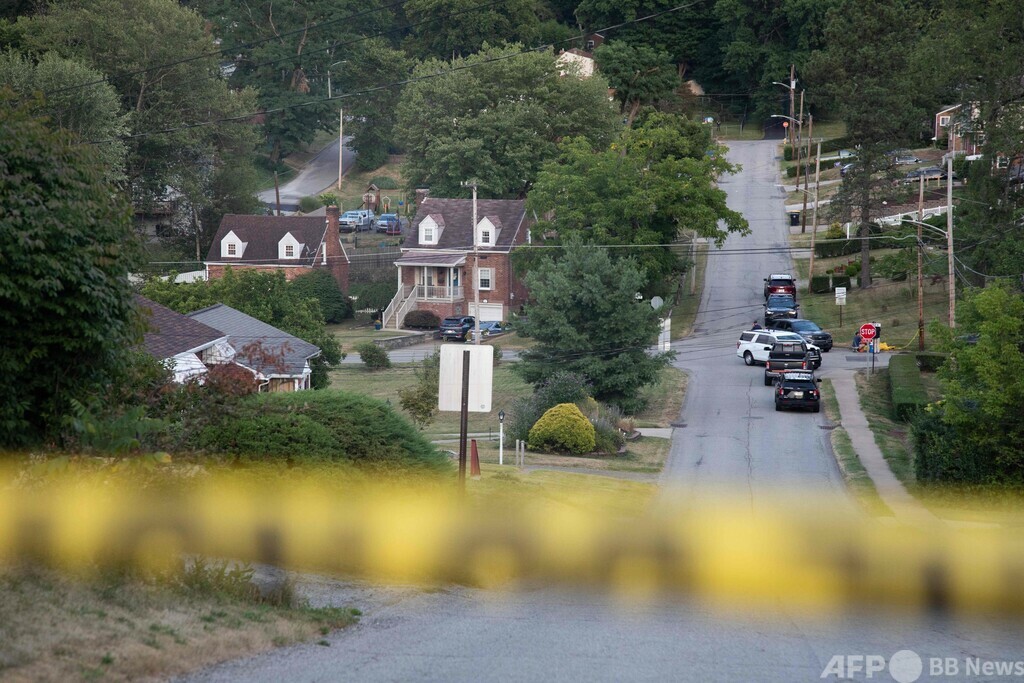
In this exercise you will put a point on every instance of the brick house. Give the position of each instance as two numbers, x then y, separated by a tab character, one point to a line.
959	128
438	266
294	244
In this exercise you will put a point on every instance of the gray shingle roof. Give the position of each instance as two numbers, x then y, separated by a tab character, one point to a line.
262	235
171	333
457	219
243	329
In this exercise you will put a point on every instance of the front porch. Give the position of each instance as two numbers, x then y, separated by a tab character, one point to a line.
427	280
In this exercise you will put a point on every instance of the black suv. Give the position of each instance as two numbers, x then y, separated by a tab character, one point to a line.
808	329
459	327
797	390
779	306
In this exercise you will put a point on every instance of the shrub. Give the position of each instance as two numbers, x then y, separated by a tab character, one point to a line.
308	204
821	284
562	387
375	295
523	414
841	281
563	428
319	426
420	399
852	270
497	354
321	285
373	356
787	153
422	320
607	437
905	387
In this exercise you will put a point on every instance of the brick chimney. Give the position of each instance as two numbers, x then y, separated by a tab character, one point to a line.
333	256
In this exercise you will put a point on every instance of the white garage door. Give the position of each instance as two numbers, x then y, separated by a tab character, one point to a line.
489	312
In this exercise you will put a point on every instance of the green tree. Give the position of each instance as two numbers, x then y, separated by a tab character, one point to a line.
92	113
454	28
865	72
286	50
639	75
267	296
983	384
371	117
322	286
66	248
495	116
420	399
585	321
163	63
655	182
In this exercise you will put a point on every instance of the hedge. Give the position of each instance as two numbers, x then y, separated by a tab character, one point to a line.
905	387
319	426
821	284
422	320
841	281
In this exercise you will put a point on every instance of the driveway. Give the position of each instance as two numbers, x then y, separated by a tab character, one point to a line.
321	173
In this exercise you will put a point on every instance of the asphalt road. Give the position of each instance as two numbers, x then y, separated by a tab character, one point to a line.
319	174
733	440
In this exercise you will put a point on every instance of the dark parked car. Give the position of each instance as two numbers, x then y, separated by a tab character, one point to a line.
389	224
459	327
779	306
797	390
779	283
808	329
786	356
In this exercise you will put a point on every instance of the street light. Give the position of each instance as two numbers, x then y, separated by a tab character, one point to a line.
792	93
501	437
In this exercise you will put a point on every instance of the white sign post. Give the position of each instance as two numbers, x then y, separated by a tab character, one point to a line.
840	301
464	384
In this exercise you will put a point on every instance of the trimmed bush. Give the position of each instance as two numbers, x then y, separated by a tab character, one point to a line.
422	320
841	281
930	361
905	387
821	284
373	356
563	428
787	152
321	426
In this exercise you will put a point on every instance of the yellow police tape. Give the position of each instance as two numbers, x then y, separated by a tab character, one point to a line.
806	556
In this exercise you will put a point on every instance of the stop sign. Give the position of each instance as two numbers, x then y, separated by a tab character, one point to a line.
867	331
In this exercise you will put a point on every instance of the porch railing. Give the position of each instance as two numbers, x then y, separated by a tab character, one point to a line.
439	293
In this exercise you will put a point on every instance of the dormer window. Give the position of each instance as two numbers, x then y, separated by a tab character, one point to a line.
232	246
289	251
289	247
232	249
430	229
487	231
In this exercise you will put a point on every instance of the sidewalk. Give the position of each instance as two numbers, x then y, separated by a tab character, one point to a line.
890	489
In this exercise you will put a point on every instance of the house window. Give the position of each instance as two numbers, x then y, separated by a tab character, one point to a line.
943	121
289	251
590	46
231	249
485	237
485	278
1002	162
428	234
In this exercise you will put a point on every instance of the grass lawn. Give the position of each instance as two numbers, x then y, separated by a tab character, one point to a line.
893	437
360	329
891	303
857	479
122	627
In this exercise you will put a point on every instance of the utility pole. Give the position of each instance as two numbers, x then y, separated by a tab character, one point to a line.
792	95
799	139
341	148
476	266
814	221
920	274
949	241
277	193
810	134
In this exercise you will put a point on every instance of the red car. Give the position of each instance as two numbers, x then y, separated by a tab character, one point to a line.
779	283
